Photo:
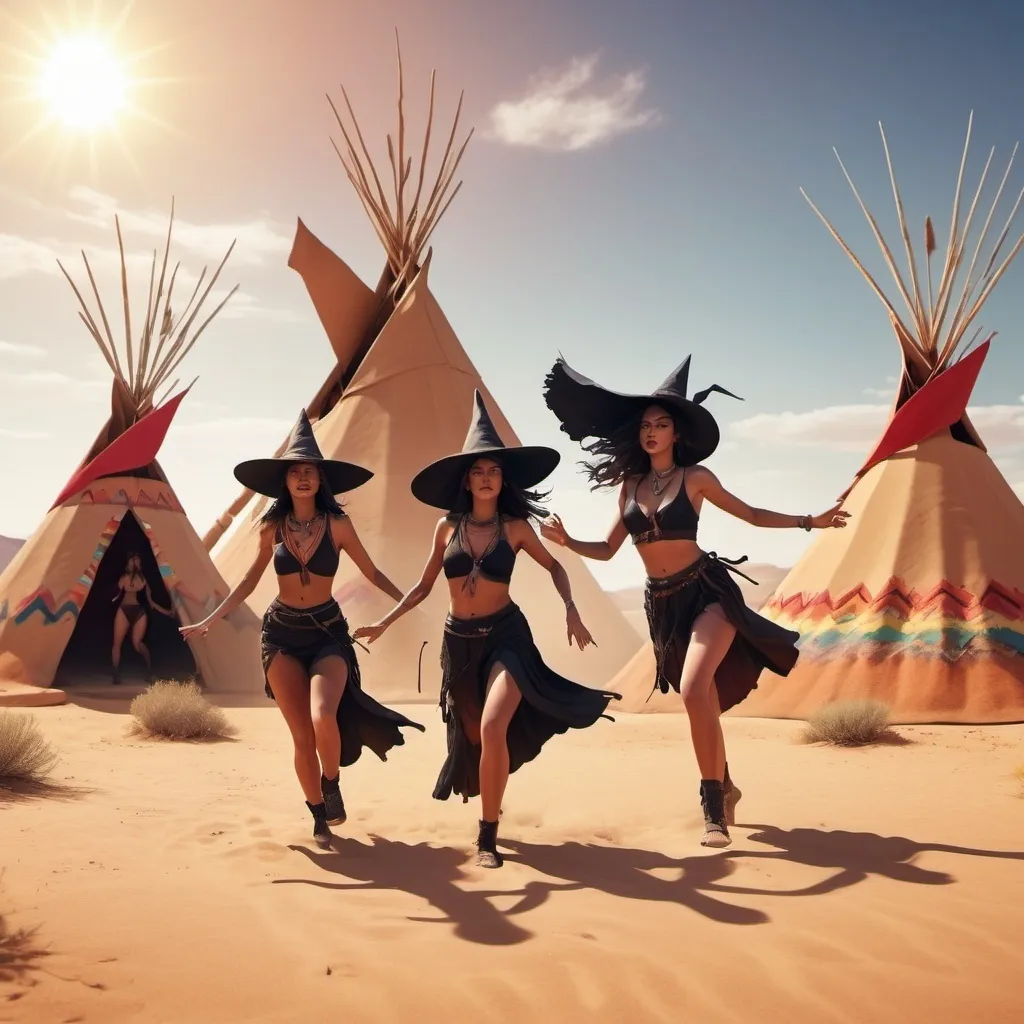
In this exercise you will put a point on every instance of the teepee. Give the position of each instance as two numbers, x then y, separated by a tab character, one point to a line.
400	396
919	602
56	595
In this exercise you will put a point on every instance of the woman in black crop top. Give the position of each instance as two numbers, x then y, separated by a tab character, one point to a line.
709	646
499	700
309	660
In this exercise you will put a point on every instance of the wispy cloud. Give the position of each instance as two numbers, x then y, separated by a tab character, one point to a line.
236	425
568	110
256	241
854	428
10	348
18	434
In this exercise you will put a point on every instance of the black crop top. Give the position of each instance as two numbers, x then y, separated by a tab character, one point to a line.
496	563
676	520
322	562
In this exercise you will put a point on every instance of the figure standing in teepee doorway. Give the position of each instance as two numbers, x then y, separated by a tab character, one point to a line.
133	599
308	655
499	700
709	646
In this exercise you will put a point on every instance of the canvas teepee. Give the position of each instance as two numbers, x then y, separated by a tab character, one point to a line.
919	602
56	595
399	397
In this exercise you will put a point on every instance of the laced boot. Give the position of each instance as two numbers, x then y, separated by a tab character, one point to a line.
331	791
487	846
321	833
716	831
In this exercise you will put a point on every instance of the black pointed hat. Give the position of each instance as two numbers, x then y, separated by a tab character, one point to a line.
585	409
266	476
439	483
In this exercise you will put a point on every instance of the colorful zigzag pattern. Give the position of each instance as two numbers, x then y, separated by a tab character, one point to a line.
947	621
155	494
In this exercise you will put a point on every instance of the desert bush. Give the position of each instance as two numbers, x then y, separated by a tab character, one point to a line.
25	756
178	711
849	723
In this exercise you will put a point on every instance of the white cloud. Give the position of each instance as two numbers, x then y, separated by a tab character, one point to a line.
17	434
854	428
40	377
236	425
558	114
20	256
10	348
256	240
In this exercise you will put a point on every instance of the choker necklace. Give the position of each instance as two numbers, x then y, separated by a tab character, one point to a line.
296	527
656	478
481	522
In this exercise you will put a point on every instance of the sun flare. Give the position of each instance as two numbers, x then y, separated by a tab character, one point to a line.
84	83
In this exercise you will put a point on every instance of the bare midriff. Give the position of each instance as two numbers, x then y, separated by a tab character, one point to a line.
489	599
291	592
664	558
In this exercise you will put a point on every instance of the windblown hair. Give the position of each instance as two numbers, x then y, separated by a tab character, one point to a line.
513	501
621	456
280	508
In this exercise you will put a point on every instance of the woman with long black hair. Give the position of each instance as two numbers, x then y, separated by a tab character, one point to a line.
709	645
309	659
499	700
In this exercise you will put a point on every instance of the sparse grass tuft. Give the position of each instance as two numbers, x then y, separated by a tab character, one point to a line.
849	723
25	756
178	711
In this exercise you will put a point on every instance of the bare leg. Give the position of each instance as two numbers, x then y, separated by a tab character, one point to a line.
500	705
710	640
290	685
326	688
138	634
120	632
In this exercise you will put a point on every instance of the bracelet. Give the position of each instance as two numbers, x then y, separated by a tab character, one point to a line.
804	523
570	604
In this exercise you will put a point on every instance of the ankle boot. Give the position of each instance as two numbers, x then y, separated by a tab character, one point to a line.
487	846
331	791
716	831
321	833
732	796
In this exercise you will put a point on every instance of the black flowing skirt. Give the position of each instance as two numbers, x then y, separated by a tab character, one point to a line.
674	603
311	634
550	703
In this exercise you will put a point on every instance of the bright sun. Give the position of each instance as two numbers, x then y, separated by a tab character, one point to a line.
84	83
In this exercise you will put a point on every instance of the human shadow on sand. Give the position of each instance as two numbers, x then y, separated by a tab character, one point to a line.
431	873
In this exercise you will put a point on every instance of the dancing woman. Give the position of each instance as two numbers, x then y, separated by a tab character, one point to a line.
133	599
309	660
709	645
499	701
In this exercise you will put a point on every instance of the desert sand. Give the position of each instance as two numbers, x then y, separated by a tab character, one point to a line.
171	882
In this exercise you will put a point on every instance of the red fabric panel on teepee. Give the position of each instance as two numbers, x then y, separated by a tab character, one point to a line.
136	447
939	404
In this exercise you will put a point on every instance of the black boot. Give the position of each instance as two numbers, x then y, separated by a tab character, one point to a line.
321	833
487	846
716	831
331	791
732	797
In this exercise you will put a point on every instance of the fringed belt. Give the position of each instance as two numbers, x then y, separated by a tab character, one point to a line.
321	616
669	585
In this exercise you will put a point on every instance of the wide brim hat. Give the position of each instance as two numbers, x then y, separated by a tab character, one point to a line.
586	409
266	476
440	483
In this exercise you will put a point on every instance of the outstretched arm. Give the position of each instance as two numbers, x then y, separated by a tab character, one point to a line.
347	540
709	487
420	592
553	530
169	612
246	585
524	538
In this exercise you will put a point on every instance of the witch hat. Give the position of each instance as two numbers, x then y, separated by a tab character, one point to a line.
266	476
585	409
440	483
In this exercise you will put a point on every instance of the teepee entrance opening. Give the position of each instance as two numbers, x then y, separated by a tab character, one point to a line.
87	657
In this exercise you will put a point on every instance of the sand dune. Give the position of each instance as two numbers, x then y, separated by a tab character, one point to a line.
177	883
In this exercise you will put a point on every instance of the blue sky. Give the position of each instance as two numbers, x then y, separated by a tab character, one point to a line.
648	208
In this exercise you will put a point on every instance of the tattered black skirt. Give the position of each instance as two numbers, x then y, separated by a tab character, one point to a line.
674	603
550	703
311	634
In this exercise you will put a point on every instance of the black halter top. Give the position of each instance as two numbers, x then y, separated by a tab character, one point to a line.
495	564
323	561
675	520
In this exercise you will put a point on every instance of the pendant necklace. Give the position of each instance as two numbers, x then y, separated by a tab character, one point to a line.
656	479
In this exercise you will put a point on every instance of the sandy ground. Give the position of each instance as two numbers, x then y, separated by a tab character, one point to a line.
178	882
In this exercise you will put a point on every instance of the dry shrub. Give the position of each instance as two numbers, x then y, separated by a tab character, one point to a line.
849	723
25	756
178	711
